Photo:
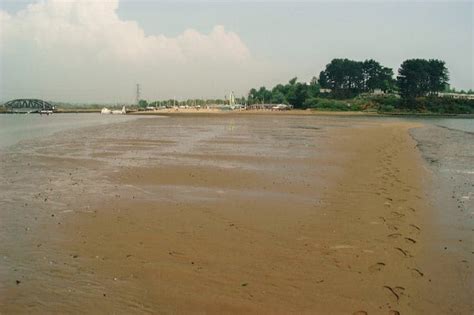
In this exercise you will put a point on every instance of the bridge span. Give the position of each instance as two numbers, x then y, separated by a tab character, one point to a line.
28	106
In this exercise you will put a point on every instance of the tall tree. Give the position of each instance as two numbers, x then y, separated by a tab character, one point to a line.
278	97
420	77
347	78
376	76
313	87
297	94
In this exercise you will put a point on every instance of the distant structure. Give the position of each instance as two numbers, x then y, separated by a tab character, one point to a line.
28	106
378	92
107	111
138	94
464	96
231	99
273	107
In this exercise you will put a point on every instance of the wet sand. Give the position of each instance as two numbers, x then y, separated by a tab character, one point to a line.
226	215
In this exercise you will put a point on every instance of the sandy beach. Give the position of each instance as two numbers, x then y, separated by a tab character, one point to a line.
247	214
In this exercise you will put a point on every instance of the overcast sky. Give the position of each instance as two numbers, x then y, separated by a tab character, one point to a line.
96	51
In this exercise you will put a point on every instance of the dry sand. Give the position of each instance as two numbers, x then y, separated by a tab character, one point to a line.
332	221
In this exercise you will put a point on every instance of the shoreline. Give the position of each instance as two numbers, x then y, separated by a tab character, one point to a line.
295	112
255	219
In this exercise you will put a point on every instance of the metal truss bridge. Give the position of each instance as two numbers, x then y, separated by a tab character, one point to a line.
28	105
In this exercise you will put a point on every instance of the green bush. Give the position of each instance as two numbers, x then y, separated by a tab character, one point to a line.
386	108
332	105
392	103
385	103
441	105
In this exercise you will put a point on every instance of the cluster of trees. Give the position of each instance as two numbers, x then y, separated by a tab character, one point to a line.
348	78
343	77
294	93
421	77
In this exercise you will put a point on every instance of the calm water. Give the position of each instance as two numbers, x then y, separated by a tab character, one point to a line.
463	124
15	128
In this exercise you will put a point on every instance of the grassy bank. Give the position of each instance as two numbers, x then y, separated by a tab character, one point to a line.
394	105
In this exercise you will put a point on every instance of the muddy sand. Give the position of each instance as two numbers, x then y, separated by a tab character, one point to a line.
226	215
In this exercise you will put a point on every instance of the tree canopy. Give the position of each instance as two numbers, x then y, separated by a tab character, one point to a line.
294	93
348	78
420	77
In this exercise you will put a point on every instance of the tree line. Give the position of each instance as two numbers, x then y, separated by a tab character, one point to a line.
346	79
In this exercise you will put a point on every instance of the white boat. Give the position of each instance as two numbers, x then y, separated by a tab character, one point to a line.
105	110
45	112
281	107
119	112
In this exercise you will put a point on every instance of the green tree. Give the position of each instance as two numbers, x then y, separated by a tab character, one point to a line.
348	78
278	97
264	95
142	103
376	76
297	94
420	77
343	76
253	95
323	80
313	88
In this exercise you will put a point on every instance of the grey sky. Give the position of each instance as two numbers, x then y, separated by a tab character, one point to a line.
276	41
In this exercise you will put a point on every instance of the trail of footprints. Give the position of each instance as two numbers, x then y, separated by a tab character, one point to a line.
401	233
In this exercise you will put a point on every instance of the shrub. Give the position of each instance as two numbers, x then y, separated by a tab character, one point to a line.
443	105
332	105
386	108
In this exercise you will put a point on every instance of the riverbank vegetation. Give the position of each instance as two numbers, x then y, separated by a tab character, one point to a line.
348	85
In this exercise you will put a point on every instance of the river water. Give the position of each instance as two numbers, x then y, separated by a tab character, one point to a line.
15	128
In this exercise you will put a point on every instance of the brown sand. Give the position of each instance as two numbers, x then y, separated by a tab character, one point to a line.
339	231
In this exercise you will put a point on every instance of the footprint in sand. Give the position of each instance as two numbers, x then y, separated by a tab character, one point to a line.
393	312
394	235
360	313
416	272
377	267
392	227
410	240
397	214
403	251
415	228
395	292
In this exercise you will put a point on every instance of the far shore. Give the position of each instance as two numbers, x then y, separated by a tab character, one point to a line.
300	112
294	112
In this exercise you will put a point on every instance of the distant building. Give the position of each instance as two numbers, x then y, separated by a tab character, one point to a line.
463	96
325	90
270	107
